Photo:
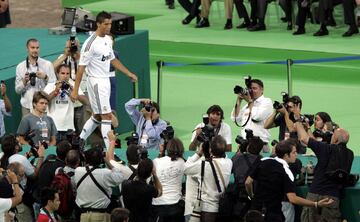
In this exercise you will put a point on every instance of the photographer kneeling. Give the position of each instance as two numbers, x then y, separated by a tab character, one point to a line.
213	175
214	121
149	126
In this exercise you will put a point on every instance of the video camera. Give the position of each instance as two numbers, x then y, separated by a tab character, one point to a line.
33	147
243	143
243	91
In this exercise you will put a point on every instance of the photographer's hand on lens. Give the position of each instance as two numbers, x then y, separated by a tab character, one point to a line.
145	101
282	110
147	115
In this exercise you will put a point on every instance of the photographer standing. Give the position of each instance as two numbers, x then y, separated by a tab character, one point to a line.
170	170
149	126
217	171
32	75
215	116
61	107
291	106
324	185
5	107
257	109
37	127
71	57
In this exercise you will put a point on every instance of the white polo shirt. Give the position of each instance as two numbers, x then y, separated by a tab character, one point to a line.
261	110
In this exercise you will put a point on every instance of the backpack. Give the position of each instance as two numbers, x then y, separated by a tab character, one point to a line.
339	165
62	183
234	202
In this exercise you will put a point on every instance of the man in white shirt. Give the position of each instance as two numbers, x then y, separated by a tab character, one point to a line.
61	107
254	114
215	116
210	191
96	56
32	75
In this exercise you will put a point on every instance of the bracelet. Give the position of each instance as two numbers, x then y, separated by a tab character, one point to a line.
16	183
316	204
41	157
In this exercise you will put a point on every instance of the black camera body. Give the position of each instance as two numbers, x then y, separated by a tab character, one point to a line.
32	77
243	143
133	139
65	85
207	133
243	91
148	107
307	118
73	46
167	134
33	147
285	99
326	136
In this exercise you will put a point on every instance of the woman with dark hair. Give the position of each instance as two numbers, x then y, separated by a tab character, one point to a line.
170	170
320	119
324	127
8	146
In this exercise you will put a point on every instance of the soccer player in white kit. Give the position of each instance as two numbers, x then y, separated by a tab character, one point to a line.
95	56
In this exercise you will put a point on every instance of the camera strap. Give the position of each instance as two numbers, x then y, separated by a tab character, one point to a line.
236	123
28	63
89	173
69	61
133	175
215	176
202	180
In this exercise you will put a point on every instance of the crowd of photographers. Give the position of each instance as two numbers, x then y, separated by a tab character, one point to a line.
90	183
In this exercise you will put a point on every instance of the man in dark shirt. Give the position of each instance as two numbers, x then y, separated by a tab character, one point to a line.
283	118
138	194
322	186
273	180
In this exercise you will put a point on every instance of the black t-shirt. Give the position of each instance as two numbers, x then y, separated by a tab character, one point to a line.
47	174
280	122
321	184
272	183
137	196
240	167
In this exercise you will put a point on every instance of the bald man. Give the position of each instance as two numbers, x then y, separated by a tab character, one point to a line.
322	186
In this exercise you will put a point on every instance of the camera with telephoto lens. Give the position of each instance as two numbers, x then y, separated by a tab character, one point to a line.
325	136
243	91
73	46
243	143
32	77
65	85
33	147
207	133
167	134
132	139
306	118
285	98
